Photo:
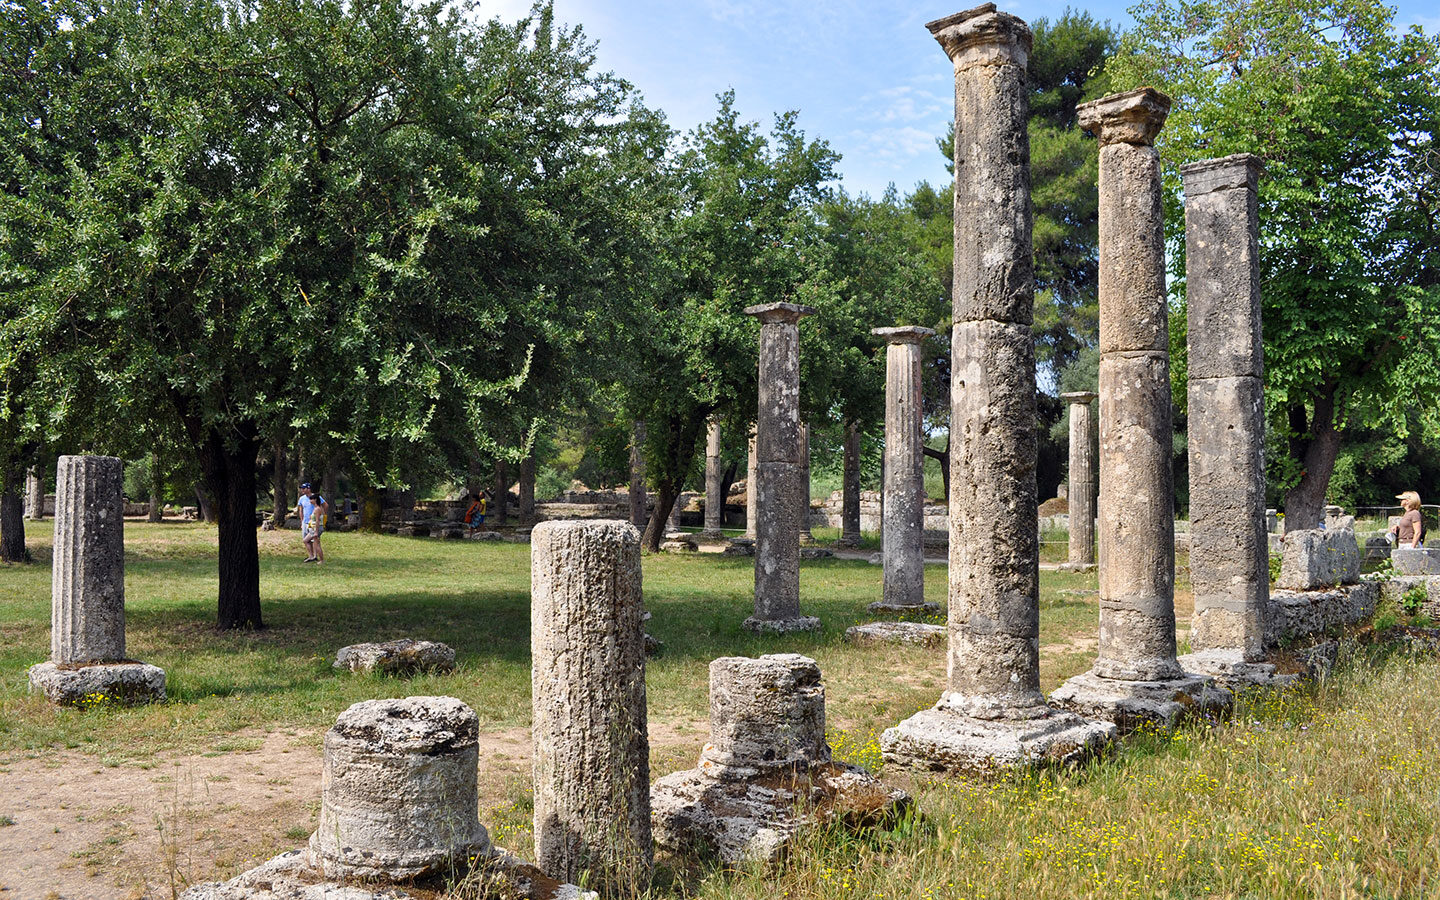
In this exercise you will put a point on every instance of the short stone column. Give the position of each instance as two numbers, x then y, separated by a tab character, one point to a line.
850	490
87	611
992	712
903	530
752	466
398	794
34	495
1229	550
766	769
638	514
778	491
591	750
1081	489
1136	676
714	474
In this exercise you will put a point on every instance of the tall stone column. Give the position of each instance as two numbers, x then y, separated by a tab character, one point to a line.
752	480
1081	482
903	531
850	489
527	489
34	495
992	713
637	475
87	612
714	474
1229	554
805	536
591	750
1136	676
778	492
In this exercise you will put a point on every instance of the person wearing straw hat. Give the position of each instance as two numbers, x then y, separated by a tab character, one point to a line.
1410	530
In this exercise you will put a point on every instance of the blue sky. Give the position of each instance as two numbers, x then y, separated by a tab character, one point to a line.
865	76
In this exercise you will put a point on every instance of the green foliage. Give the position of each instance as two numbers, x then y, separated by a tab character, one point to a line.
1343	110
1414	599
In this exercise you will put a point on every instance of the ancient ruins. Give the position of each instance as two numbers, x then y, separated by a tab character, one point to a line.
1081	492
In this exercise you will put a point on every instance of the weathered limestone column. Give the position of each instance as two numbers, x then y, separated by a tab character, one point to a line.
766	769
1229	554
1081	489
398	793
805	536
903	531
637	475
752	480
850	490
591	752
87	613
34	495
714	474
992	713
1136	676
779	469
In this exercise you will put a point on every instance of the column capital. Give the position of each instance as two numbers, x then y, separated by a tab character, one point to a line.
1134	117
1084	397
782	312
982	36
903	334
1242	170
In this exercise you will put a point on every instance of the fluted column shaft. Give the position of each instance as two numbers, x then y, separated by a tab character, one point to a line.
752	481
714	500
34	495
87	616
1229	553
637	475
903	533
1082	479
994	665
1137	524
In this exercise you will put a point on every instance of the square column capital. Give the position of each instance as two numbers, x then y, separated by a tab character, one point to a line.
1082	397
781	312
903	334
982	36
1242	170
1134	117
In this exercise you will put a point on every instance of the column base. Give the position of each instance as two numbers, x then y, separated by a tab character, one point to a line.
782	626
880	606
1077	567
124	683
947	740
897	633
1130	704
1232	672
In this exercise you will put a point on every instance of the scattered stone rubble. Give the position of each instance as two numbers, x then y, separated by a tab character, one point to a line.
404	656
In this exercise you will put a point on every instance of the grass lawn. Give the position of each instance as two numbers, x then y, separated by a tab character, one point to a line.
1327	791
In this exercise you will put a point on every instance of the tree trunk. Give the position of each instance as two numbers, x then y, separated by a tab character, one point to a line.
331	484
157	487
279	485
202	500
527	489
230	476
665	499
850	488
943	457
502	490
1316	447
12	522
372	509
727	480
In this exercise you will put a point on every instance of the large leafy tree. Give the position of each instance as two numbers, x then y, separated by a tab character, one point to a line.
343	220
1344	112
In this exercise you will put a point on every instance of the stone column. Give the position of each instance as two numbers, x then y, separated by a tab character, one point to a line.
87	612
779	469
591	752
1136	676
992	713
526	510
903	531
714	474
1081	490
637	475
805	536
398	793
752	480
1229	554
850	489
34	495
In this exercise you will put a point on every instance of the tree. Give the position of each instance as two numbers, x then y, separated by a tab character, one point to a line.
321	217
1344	112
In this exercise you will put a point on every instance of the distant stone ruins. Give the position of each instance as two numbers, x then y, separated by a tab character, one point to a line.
992	713
1081	492
766	771
778	471
88	665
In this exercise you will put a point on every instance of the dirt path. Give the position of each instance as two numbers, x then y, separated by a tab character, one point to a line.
87	830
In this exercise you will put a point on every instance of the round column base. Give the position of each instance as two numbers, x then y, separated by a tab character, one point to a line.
123	683
782	626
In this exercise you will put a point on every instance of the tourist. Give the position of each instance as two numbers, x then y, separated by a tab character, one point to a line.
1410	530
475	514
312	508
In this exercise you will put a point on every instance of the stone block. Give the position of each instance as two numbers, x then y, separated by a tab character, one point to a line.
1233	672
1129	704
126	683
1415	560
943	739
920	633
405	656
1319	558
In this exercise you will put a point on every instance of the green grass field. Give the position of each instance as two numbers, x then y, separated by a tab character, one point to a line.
1328	791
